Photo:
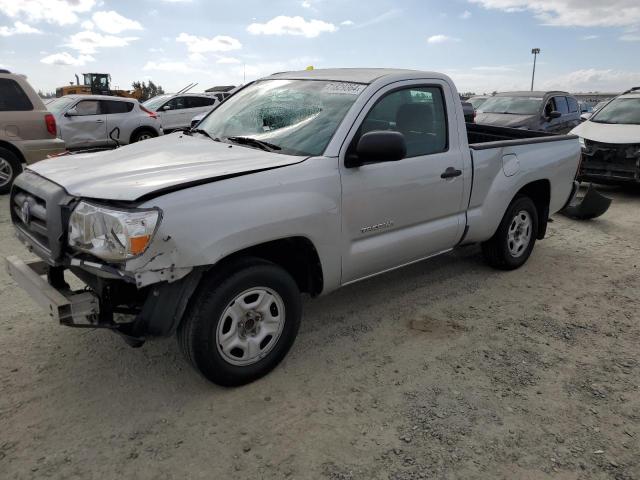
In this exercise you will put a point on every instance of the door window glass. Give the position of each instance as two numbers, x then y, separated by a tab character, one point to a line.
88	107
418	113
561	105
177	103
573	104
113	106
12	97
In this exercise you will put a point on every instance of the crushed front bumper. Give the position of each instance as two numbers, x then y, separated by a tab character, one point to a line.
610	163
64	305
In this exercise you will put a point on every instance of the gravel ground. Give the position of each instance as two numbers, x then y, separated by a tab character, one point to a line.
445	369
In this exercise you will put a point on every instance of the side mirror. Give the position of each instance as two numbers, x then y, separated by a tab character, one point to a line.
554	114
166	107
586	116
378	146
72	112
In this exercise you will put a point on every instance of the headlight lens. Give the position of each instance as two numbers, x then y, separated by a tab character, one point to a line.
113	235
581	142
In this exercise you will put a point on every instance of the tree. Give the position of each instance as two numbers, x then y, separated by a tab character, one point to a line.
148	90
46	95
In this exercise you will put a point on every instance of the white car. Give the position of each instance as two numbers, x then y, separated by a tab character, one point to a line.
176	111
86	121
610	140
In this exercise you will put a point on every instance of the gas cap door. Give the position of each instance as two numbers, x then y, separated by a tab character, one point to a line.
510	164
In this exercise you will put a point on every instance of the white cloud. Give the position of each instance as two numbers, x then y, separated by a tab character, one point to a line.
383	17
589	37
465	15
18	28
65	58
112	22
59	12
579	13
630	37
306	4
87	25
89	42
347	23
219	43
592	79
433	39
283	25
169	66
228	60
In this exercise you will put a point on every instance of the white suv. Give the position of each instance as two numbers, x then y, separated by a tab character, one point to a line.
89	120
176	111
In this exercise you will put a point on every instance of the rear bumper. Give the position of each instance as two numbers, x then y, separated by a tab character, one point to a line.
36	150
64	306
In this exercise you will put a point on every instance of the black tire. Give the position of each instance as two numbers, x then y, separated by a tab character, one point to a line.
497	251
197	333
143	134
9	165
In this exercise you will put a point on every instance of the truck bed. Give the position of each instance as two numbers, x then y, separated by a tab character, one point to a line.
481	137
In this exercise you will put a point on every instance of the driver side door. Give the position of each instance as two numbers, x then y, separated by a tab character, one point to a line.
395	213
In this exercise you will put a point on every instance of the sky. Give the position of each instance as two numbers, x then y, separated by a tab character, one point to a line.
484	45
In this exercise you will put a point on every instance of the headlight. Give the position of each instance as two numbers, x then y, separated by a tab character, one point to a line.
583	146
110	234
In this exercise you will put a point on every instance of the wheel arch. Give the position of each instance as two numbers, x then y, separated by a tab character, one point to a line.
13	149
539	191
142	128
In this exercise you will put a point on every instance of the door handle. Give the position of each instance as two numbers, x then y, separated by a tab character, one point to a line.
99	121
451	173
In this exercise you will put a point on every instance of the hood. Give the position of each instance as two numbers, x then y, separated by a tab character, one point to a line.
163	163
504	119
608	132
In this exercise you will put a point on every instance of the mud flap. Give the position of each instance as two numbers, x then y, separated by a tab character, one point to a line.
591	205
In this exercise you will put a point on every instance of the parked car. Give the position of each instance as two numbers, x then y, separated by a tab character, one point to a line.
221	96
478	100
176	111
27	129
300	182
554	112
610	141
86	121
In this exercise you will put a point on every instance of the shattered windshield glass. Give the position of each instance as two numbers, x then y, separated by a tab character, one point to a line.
296	117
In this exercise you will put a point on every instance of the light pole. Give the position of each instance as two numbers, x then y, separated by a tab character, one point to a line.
535	52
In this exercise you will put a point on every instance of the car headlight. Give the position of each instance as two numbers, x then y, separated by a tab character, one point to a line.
112	234
583	145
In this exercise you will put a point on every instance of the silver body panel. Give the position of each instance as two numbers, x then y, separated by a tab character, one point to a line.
362	221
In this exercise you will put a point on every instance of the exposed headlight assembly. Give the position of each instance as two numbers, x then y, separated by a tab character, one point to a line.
112	234
582	143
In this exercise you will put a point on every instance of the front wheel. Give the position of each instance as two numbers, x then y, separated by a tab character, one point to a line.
511	245
240	326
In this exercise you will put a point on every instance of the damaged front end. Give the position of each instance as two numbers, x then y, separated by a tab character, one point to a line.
132	284
610	162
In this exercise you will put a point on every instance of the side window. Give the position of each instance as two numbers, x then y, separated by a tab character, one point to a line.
195	102
88	107
561	105
418	113
112	106
12	97
573	104
177	103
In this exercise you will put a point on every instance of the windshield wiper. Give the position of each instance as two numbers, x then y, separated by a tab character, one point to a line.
266	146
204	132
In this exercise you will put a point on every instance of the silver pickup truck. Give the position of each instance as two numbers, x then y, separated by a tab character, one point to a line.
301	182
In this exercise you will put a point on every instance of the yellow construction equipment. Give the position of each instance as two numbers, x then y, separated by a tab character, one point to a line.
95	84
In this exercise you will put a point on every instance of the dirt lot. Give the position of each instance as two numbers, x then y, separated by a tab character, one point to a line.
446	369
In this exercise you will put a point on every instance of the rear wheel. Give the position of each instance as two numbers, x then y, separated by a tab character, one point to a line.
242	324
511	245
143	135
10	168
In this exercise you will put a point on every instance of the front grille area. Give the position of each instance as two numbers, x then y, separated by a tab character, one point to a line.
37	206
30	215
610	160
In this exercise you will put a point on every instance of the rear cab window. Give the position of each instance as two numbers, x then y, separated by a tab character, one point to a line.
12	97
